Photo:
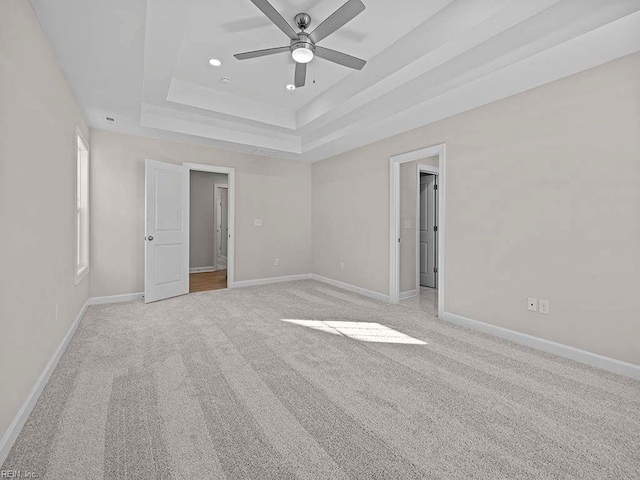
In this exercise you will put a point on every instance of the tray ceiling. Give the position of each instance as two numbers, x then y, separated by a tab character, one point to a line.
146	63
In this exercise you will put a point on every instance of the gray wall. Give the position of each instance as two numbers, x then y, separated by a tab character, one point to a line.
38	118
202	213
542	200
276	191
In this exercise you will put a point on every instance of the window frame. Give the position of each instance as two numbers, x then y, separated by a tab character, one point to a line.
82	220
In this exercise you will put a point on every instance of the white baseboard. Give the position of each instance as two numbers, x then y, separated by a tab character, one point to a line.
408	294
21	417
383	297
127	297
266	281
582	356
203	269
306	276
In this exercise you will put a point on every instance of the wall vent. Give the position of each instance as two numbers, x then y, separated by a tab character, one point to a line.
264	152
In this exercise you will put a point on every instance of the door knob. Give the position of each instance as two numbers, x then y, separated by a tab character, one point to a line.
150	238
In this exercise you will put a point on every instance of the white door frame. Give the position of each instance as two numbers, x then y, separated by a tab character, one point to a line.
394	219
216	187
231	172
432	171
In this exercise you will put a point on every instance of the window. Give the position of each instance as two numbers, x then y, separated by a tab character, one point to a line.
82	209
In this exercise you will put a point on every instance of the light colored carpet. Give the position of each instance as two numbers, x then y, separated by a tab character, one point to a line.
215	385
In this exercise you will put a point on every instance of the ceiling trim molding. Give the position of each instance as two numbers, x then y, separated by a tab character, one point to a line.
424	65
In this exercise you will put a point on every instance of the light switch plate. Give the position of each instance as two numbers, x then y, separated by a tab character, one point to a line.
532	304
408	224
257	222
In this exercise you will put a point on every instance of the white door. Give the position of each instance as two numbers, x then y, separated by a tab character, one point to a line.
166	250
222	225
428	231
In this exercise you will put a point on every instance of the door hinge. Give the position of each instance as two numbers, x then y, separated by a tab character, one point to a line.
435	229
435	269
435	187
398	240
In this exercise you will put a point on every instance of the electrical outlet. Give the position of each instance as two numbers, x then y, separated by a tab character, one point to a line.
277	262
544	307
532	304
408	224
57	311
257	222
341	265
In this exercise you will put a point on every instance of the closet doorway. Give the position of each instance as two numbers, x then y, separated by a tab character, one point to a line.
404	223
209	228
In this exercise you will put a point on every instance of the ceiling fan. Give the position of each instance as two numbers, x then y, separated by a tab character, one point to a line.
303	45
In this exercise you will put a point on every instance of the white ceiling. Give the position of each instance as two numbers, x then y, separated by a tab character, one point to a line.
146	63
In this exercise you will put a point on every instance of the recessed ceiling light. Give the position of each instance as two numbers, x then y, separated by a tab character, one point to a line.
225	80
291	87
215	62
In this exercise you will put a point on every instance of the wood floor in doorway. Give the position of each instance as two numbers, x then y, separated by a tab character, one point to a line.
205	281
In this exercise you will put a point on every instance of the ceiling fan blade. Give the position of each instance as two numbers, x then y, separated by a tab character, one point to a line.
261	53
266	8
340	58
337	19
301	75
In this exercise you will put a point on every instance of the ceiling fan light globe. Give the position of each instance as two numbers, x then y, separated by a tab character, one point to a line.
302	55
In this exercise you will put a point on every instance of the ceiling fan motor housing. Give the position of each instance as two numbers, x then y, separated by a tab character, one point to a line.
303	42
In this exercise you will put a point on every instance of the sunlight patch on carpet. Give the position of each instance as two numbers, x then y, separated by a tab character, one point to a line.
363	331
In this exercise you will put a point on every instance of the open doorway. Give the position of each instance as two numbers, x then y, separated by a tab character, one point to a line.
208	230
167	236
405	266
418	190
